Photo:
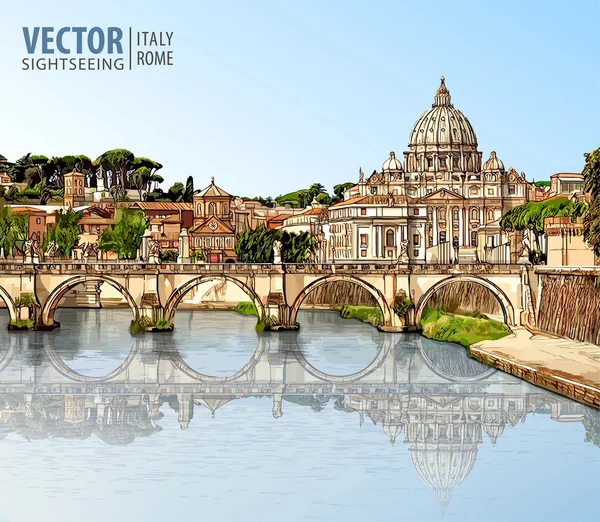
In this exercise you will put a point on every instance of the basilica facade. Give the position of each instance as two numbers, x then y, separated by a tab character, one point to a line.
441	201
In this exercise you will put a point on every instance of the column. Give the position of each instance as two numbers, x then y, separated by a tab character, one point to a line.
435	228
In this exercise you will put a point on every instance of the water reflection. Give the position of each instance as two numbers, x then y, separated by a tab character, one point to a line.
442	405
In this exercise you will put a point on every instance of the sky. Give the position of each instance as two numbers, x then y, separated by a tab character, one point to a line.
270	97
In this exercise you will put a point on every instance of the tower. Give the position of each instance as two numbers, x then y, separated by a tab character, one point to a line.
74	189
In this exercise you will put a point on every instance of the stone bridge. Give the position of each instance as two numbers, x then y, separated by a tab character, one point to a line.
277	290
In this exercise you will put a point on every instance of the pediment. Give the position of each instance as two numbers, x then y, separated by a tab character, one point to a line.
442	195
212	225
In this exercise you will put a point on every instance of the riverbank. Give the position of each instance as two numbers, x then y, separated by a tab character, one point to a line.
465	329
563	366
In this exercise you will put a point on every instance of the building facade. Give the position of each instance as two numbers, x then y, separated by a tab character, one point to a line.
443	202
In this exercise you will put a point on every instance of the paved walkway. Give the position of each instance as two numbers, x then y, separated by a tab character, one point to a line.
560	365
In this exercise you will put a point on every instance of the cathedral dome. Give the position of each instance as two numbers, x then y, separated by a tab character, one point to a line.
392	163
442	124
493	163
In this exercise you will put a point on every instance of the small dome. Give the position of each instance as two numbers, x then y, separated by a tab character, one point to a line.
494	431
493	163
392	163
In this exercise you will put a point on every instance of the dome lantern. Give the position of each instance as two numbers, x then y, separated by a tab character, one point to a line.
442	96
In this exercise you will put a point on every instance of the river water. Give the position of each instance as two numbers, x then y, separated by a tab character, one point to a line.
335	422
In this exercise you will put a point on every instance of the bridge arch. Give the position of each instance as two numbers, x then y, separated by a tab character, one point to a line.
179	293
506	306
51	303
385	309
10	304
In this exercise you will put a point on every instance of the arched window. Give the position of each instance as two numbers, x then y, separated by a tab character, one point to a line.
212	209
217	242
227	242
474	214
455	214
490	215
389	238
442	215
199	209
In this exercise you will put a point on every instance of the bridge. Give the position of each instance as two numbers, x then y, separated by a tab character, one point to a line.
277	290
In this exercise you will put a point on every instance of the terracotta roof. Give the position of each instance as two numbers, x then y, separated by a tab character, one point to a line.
314	212
572	174
212	190
162	205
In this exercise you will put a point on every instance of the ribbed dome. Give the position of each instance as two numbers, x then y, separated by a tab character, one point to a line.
442	124
392	163
493	163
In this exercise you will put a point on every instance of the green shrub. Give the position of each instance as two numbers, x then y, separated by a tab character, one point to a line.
367	314
163	324
246	308
402	307
23	323
26	300
140	325
462	329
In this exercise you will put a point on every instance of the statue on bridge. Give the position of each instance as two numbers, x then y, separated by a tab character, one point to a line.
277	246
51	250
403	252
31	250
153	251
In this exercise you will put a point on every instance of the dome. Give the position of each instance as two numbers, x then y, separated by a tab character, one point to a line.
443	467
493	163
494	431
442	124
392	163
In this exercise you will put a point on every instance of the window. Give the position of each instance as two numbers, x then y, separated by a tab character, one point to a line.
415	253
363	211
442	162
442	237
38	221
207	242
68	183
474	214
416	239
363	253
430	241
227	242
212	209
373	190
455	214
430	214
512	189
442	215
416	211
474	238
490	192
389	238
364	242
490	215
455	162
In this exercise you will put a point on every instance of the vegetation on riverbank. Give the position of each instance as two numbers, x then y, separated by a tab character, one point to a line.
21	324
145	324
466	328
246	308
367	314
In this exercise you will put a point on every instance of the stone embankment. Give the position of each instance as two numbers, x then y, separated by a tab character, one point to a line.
563	366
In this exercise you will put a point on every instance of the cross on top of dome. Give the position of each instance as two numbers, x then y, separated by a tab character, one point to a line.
442	96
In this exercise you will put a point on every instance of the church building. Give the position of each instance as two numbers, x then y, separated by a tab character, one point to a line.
442	202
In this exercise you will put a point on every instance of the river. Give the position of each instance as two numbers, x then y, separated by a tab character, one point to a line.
335	422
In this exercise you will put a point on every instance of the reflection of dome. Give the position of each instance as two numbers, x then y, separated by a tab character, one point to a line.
494	431
212	403
443	466
442	124
392	163
392	431
493	163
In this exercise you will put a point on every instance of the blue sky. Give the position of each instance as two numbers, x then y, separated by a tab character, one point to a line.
269	97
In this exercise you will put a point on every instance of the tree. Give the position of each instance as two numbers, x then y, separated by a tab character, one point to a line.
4	164
531	215
120	163
338	191
13	230
117	193
591	218
176	192
64	232
125	236
256	246
141	179
152	166
188	195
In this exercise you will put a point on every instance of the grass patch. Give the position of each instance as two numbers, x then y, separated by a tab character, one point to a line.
163	324
266	324
458	328
23	323
246	308
367	314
